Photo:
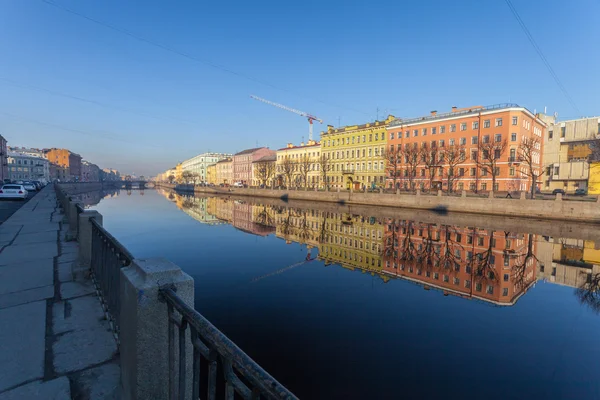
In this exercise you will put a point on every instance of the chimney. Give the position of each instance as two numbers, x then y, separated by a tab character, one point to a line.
454	108
434	112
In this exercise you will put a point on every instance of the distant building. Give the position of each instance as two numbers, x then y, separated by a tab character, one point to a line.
64	165
567	151
264	170
211	174
224	171
24	167
89	172
242	163
109	174
200	163
28	151
294	163
3	160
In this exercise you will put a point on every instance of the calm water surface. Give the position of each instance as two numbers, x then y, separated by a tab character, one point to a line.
344	305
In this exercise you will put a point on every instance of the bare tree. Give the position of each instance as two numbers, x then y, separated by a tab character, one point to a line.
324	167
489	156
186	176
194	178
412	161
429	158
287	169
452	156
264	171
393	159
171	178
595	150
589	293
304	167
530	155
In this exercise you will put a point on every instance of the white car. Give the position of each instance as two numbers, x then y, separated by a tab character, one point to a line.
29	186
238	184
11	191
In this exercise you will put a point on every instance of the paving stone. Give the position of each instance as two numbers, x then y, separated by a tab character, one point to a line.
77	314
26	296
26	275
56	389
47	226
22	339
65	273
9	230
28	252
69	247
37	237
80	349
76	289
99	383
69	257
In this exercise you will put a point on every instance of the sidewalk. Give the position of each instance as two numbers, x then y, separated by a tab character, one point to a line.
54	340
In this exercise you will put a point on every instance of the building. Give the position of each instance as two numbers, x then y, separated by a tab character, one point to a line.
28	151
24	167
211	174
224	171
299	166
64	165
567	150
89	172
468	148
594	180
198	164
4	174
242	163
355	154
264	171
110	174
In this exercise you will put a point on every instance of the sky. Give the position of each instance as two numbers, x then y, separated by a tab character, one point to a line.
157	82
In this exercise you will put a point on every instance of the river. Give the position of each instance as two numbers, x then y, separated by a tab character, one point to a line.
341	302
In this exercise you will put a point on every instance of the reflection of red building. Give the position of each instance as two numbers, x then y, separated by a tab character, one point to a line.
243	219
470	262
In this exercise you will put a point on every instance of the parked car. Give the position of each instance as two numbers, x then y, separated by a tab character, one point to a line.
238	184
10	191
557	191
580	192
29	186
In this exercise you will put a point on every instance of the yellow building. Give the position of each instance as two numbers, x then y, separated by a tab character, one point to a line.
355	154
211	174
224	171
594	180
298	166
178	173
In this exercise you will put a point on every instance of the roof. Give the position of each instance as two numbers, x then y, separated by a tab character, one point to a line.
249	151
300	147
351	128
225	160
267	158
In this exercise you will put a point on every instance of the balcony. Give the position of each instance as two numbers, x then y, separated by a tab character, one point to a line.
348	171
514	160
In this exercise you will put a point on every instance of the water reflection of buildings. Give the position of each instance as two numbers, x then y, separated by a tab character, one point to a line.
90	199
197	208
569	262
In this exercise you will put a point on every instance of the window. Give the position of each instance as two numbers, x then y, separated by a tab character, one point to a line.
433	131
461	172
377	136
442	143
370	137
515	120
556	170
496	172
451	142
486	139
513	137
511	171
453	128
424	131
364	139
463	141
415	132
498	121
456	281
473	171
446	278
497	138
474	154
463	126
468	284
490	289
474	140
391	136
505	290
407	134
483	187
478	287
562	132
486	123
443	129
476	125
436	275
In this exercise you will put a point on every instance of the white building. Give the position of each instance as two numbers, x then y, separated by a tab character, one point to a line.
199	163
24	167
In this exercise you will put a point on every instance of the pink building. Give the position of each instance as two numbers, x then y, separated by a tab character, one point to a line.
242	163
3	160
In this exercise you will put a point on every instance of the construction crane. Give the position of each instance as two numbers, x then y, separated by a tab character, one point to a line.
310	117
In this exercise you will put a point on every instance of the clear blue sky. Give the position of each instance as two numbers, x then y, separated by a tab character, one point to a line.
335	59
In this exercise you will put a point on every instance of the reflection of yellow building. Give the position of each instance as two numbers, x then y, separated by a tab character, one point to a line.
211	174
353	242
356	154
591	253
594	180
301	226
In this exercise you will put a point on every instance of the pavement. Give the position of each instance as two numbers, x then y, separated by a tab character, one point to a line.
55	342
9	206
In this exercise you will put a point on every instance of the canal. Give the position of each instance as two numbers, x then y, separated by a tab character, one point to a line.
368	303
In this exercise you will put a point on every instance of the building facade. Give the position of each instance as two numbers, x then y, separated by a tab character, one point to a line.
89	172
263	171
110	174
200	163
64	165
211	174
467	148
4	175
355	155
24	167
299	166
567	153
242	163
224	171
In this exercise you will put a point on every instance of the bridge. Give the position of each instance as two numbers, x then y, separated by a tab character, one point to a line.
130	184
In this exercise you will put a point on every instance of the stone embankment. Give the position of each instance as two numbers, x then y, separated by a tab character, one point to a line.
556	209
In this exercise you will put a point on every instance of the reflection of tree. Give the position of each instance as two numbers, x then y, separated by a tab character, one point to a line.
450	254
520	267
323	232
187	203
427	255
407	249
589	293
264	217
483	263
303	228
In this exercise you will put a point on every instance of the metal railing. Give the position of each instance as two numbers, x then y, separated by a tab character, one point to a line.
242	375
108	257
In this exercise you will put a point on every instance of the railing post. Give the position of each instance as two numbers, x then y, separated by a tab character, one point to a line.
84	261
72	218
144	328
